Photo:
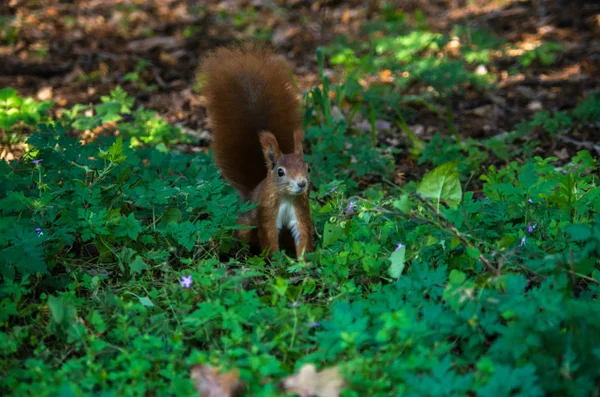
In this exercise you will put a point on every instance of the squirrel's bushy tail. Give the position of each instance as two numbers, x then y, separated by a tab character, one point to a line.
248	90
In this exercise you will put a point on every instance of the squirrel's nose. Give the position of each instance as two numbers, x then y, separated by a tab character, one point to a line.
302	184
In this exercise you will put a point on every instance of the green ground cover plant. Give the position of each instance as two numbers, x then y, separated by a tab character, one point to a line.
18	116
120	270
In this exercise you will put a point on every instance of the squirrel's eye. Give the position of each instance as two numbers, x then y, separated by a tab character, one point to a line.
308	169
280	172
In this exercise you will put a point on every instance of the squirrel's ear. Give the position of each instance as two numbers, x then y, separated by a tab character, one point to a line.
270	148
298	138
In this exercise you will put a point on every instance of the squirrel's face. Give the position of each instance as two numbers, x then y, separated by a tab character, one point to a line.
290	174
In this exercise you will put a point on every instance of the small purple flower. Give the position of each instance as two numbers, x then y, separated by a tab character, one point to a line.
37	161
523	241
186	281
350	207
333	189
296	304
530	227
314	324
398	246
39	231
530	201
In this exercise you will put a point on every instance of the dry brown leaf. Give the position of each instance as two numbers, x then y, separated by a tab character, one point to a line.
534	106
400	178
308	382
346	17
386	76
284	35
210	383
44	93
162	42
483	111
168	59
562	154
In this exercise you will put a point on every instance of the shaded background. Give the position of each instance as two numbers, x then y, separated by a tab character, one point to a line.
76	51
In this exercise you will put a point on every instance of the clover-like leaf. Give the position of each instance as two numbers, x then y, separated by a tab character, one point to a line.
138	265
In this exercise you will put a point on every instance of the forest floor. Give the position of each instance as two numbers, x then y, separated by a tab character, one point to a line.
454	196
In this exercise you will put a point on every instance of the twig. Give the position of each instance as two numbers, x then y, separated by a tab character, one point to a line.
13	67
451	124
452	229
159	79
581	144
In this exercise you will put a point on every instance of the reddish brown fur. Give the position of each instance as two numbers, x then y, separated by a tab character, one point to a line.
298	138
302	206
270	148
265	216
256	124
248	90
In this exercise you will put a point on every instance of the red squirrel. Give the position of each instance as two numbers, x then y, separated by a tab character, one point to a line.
257	133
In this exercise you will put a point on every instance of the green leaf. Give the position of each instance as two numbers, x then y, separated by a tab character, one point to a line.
116	149
442	183
137	265
588	109
473	252
128	226
144	300
171	215
505	242
485	365
14	202
403	204
331	233
185	233
157	256
115	152
97	321
6	94
108	112
528	176
512	381
454	242
57	308
579	232
24	252
457	277
397	259
585	266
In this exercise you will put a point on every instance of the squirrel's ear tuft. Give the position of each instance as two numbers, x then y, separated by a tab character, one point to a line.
298	139
270	147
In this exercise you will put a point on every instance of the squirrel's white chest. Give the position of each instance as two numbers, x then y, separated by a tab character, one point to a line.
286	218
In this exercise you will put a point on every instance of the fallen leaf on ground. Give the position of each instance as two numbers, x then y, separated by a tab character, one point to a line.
308	382
400	178
483	111
44	94
535	106
162	42
210	383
